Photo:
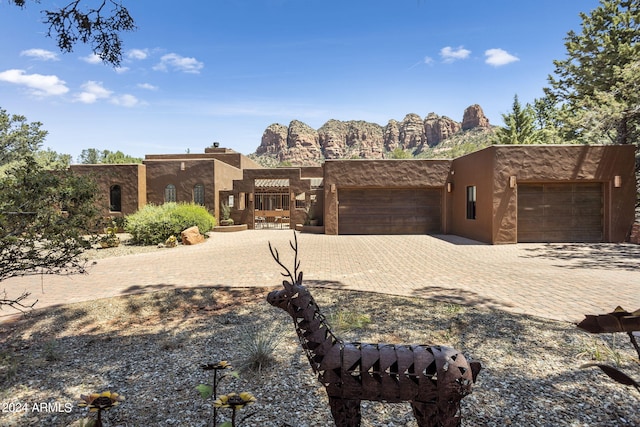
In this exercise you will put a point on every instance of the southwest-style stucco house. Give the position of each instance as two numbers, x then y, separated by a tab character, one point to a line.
501	194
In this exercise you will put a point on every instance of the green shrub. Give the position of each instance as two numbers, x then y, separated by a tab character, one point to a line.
154	224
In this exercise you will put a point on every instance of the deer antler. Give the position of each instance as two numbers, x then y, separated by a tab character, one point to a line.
295	277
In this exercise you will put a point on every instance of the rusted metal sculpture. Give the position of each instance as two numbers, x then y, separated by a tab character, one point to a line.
433	379
619	320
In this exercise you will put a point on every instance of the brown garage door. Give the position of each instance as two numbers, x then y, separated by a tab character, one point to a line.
560	212
389	211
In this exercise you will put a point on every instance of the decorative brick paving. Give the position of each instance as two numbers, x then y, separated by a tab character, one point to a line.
556	281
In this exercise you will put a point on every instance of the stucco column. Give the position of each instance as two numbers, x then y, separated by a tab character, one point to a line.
330	209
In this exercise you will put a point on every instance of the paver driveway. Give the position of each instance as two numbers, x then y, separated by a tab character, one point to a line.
556	281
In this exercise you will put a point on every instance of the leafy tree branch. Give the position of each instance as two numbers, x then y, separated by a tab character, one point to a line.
99	26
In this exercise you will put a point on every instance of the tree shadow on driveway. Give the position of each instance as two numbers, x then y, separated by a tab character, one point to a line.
604	256
460	297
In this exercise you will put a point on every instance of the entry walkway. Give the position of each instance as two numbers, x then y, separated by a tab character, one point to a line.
555	281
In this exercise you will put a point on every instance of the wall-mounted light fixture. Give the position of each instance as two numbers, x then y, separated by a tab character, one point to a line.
449	187
182	166
333	188
617	181
512	181
251	197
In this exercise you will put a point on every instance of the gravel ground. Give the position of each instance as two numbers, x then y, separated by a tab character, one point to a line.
150	347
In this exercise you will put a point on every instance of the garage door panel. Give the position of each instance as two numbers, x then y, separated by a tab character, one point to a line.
587	222
560	212
586	198
389	211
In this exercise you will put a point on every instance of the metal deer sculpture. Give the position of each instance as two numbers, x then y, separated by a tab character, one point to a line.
433	379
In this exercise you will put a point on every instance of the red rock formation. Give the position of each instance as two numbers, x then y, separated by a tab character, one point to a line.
411	132
391	135
302	145
437	128
274	140
474	117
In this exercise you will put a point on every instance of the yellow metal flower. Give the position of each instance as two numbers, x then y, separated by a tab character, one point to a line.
99	401
217	366
234	400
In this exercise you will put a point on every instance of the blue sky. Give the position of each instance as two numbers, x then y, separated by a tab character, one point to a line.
195	72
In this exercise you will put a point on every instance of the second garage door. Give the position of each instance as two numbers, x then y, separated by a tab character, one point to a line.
560	212
389	211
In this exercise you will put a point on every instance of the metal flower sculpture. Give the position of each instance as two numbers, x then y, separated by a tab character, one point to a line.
432	378
98	402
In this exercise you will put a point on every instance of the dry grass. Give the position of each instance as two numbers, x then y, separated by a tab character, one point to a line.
149	347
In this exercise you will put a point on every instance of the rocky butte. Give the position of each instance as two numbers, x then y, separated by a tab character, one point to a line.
302	145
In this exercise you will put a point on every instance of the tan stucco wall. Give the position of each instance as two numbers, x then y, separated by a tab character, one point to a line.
490	170
565	163
185	174
377	174
229	157
130	177
474	169
224	175
165	172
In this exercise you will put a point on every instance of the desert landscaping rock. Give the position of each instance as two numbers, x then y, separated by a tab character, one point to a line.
191	236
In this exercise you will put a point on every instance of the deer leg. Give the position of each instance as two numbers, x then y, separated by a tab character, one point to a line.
426	414
346	412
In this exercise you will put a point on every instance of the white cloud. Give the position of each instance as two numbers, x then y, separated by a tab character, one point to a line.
41	54
92	58
179	63
450	54
147	86
92	91
138	54
428	60
39	85
499	57
125	100
121	70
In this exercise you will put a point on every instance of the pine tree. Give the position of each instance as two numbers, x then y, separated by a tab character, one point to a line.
597	82
519	126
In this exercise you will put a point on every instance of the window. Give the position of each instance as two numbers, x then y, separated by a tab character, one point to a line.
198	194
170	193
115	198
301	201
231	201
471	202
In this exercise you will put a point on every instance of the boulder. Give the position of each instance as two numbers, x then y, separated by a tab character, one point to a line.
192	236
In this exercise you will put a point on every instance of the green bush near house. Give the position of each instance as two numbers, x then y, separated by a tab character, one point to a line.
154	224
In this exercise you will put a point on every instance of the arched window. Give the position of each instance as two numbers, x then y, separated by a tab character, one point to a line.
115	198
170	193
198	194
